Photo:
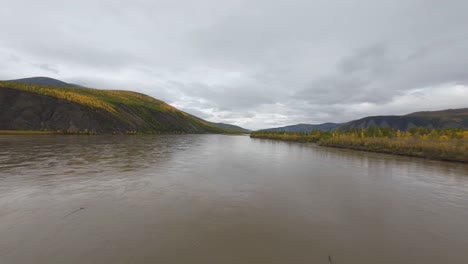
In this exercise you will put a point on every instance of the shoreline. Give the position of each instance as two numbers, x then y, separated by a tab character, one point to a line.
25	132
131	133
404	152
393	154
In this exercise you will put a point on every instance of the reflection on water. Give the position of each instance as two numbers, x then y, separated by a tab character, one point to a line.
224	199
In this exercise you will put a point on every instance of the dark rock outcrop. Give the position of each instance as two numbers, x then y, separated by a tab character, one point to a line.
20	110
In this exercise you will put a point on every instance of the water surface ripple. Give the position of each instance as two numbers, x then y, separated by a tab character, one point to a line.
224	199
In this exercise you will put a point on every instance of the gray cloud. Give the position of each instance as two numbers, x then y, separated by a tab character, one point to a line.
252	63
46	67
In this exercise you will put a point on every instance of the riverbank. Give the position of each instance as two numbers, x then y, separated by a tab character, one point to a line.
47	132
447	144
24	132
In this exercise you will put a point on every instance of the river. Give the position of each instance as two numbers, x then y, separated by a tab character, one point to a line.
224	199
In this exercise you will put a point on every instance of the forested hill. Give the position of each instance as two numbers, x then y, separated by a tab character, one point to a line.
451	118
26	106
443	113
304	128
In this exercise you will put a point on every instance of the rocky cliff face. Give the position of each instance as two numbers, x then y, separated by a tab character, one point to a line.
72	109
20	110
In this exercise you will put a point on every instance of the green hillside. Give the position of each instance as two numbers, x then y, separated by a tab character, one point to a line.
452	118
74	109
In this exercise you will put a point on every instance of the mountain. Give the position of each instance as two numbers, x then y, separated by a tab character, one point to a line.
231	128
304	128
450	118
55	107
448	112
44	81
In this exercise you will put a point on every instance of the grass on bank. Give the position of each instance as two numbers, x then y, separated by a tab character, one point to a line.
443	144
94	98
24	132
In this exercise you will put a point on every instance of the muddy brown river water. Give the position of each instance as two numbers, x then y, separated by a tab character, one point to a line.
224	199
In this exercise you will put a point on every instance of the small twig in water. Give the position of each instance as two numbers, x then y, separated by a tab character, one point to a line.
330	259
81	208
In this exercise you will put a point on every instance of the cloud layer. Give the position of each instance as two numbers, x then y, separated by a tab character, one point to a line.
257	63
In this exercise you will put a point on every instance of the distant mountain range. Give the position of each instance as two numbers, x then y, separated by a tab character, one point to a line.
231	128
428	119
304	128
42	103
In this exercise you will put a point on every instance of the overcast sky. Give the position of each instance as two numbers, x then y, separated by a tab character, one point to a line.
256	64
